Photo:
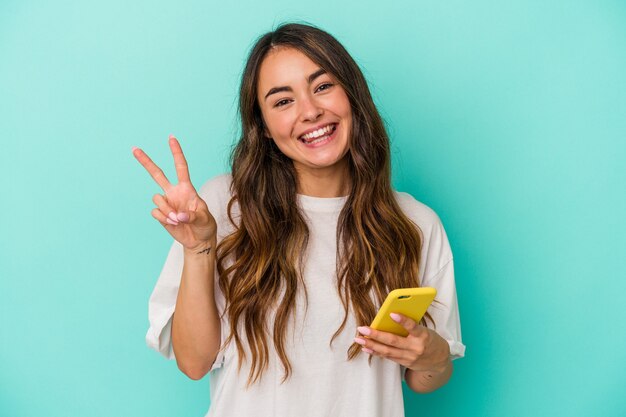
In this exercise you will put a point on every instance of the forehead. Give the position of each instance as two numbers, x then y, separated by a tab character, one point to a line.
284	66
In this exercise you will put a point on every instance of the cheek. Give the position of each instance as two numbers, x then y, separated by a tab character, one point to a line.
279	127
273	122
346	110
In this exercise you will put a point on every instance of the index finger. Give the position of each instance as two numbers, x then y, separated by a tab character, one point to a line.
182	170
155	172
408	323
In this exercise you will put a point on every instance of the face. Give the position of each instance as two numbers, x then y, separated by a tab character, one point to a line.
306	112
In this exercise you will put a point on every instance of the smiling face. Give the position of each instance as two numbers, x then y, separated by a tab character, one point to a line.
306	113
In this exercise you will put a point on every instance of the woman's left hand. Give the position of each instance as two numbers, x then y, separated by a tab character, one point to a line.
421	350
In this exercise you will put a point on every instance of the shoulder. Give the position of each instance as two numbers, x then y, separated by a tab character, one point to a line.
436	249
218	184
418	212
216	187
216	192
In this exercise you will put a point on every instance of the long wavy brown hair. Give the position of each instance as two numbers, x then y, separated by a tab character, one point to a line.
378	246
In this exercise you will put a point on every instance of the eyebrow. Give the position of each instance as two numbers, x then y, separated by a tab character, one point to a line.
311	78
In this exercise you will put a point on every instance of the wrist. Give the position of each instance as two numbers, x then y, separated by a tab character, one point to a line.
202	249
436	358
442	366
443	353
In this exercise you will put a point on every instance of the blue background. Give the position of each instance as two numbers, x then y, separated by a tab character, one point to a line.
507	118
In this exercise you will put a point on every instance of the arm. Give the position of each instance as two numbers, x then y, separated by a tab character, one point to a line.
196	330
195	327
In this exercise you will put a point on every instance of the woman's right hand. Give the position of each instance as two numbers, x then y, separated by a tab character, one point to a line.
182	212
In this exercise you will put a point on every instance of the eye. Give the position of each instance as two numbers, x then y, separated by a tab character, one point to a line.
285	101
326	85
281	103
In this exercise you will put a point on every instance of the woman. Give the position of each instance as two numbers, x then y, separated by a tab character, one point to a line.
284	262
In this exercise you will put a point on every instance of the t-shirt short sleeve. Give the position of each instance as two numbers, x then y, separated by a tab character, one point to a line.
162	303
437	271
445	309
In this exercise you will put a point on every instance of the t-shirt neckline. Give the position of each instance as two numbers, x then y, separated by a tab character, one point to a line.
327	204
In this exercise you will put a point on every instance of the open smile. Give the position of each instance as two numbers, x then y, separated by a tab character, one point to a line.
320	137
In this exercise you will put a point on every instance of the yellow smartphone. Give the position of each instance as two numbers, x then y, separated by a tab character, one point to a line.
410	302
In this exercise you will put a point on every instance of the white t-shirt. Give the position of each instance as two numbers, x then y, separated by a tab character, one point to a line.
323	381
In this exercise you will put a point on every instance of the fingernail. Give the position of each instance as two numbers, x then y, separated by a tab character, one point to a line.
183	217
170	221
172	136
359	340
134	147
395	317
172	216
366	350
364	330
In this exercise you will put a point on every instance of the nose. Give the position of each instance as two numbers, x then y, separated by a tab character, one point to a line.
309	109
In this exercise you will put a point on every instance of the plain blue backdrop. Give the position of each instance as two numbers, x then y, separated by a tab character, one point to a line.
507	118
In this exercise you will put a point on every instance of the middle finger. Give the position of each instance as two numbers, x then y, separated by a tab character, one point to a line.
182	171
381	349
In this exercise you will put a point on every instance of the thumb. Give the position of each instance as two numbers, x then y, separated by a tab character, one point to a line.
189	215
186	217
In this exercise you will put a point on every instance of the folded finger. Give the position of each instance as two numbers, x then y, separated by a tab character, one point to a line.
401	360
162	218
165	207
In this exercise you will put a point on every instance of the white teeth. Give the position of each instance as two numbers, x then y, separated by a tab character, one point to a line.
317	133
317	140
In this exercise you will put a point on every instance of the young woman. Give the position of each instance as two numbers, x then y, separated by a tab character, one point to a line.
278	267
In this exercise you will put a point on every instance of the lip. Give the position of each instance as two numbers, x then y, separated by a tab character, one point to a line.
313	129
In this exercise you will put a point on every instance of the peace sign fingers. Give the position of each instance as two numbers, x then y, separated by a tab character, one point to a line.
155	172
183	213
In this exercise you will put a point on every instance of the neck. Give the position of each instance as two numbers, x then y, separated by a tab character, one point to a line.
324	182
